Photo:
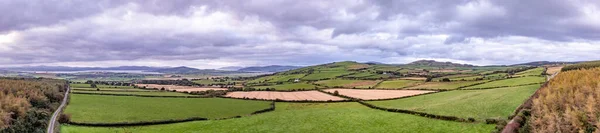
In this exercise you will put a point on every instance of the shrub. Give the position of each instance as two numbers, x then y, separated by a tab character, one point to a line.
64	118
336	93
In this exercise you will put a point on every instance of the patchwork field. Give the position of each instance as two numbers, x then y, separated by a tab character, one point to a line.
142	93
531	72
100	86
348	83
178	88
277	78
110	109
478	104
510	82
110	89
294	86
377	94
445	85
286	96
306	117
325	74
397	84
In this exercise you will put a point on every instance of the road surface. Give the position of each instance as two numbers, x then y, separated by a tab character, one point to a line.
56	113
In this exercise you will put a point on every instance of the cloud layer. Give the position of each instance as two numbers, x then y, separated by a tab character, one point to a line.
211	34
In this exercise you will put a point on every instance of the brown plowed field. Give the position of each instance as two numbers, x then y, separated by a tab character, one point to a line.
286	96
178	88
377	94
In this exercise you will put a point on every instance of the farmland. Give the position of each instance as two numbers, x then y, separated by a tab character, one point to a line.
321	96
293	86
307	117
510	82
397	84
110	109
445	85
377	94
348	83
479	104
286	96
141	93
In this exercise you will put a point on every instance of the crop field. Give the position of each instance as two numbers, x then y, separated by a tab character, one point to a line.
110	109
360	75
286	96
510	82
445	85
531	72
178	88
414	78
397	84
458	77
377	94
142	93
294	86
306	117
348	83
553	70
478	104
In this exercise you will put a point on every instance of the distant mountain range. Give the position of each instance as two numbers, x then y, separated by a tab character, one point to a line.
271	68
66	68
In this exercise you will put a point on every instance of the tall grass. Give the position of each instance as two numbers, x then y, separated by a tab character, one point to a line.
570	103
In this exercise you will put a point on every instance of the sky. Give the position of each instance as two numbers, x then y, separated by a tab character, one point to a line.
219	33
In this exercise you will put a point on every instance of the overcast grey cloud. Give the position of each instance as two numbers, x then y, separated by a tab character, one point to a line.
212	34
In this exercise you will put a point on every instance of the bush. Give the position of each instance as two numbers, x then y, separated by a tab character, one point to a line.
336	93
64	118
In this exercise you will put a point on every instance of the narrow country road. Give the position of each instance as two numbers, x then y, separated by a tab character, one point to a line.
56	113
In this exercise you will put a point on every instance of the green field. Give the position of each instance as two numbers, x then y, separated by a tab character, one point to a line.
142	93
288	86
478	104
510	82
531	72
445	85
100	86
348	83
304	118
325	74
111	89
396	84
107	109
278	78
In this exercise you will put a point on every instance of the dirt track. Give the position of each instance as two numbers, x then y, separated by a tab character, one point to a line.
377	94
286	96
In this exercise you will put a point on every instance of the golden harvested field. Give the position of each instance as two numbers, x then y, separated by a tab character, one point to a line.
286	96
553	70
179	88
377	94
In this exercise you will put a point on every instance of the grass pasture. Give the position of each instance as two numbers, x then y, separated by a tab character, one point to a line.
306	117
397	84
142	93
100	86
348	83
445	85
478	104
325	74
510	82
531	72
110	109
110	89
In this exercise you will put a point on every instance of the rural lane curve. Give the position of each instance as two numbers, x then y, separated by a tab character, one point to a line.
57	112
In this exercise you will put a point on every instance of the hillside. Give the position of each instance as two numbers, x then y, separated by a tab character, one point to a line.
271	68
433	63
541	63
